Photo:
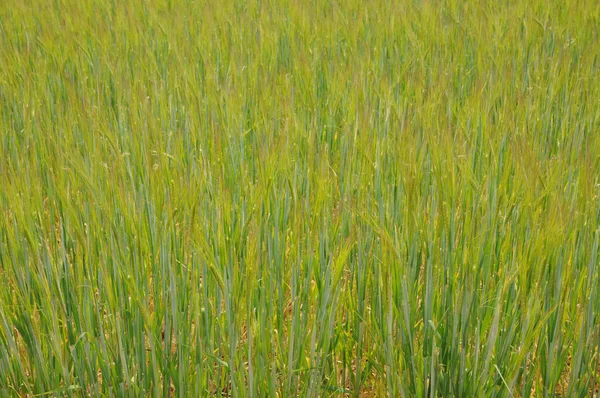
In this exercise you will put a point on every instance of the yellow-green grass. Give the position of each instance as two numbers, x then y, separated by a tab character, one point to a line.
299	198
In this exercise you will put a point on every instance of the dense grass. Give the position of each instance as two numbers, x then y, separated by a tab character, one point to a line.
286	198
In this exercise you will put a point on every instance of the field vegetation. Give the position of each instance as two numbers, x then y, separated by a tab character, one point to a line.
278	198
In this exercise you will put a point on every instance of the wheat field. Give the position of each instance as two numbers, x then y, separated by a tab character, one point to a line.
284	198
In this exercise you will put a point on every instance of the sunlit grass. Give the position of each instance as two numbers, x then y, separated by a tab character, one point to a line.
285	198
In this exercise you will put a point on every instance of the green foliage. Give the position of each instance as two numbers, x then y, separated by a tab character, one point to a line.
285	198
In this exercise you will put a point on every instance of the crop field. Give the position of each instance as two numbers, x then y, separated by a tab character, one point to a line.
285	198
